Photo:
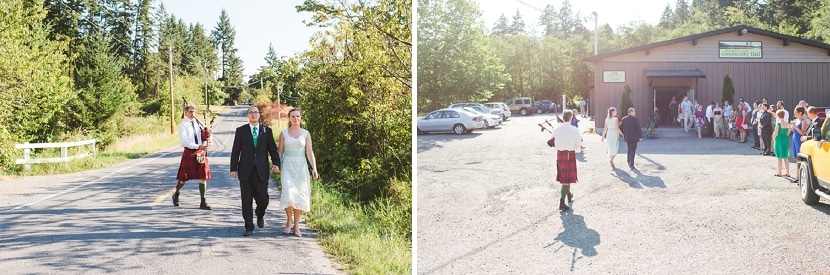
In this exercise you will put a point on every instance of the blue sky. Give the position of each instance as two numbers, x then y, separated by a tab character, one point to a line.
257	23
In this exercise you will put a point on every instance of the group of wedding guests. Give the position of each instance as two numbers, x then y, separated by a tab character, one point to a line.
774	130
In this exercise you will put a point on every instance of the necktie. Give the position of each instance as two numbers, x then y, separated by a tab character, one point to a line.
255	136
195	139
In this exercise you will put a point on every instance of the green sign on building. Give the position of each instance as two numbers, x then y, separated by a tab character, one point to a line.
740	49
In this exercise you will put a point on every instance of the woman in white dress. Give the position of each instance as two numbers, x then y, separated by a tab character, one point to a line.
295	149
612	134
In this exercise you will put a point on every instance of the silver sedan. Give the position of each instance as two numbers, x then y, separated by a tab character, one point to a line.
457	121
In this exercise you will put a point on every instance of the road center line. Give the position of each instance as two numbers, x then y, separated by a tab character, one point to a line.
88	183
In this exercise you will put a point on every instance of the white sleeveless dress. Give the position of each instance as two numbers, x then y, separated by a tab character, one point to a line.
295	178
613	135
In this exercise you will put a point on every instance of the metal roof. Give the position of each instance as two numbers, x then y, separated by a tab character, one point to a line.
738	29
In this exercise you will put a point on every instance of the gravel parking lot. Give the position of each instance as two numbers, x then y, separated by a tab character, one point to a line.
487	203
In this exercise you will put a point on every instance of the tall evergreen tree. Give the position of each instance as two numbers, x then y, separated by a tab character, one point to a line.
144	45
102	93
501	26
682	13
666	21
549	20
223	36
518	24
728	93
625	101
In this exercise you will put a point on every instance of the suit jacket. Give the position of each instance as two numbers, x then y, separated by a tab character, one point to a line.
814	130
766	121
631	129
244	156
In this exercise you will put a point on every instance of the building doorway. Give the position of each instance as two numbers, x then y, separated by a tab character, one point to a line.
662	99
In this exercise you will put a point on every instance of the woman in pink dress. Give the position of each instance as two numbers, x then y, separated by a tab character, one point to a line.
700	118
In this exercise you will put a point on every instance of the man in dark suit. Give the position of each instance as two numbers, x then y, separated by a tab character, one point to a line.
814	129
632	133
765	123
252	144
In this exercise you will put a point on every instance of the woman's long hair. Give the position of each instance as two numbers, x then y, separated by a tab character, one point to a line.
611	111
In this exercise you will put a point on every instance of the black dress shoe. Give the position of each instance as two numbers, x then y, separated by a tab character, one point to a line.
260	222
176	199
248	232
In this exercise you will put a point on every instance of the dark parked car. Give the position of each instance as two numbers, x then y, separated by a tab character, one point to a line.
544	106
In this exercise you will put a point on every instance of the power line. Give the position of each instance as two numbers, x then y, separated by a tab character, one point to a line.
531	6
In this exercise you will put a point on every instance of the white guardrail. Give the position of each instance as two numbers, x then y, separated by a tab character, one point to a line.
27	151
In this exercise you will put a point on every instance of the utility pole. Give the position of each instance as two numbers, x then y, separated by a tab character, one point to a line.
207	102
279	107
170	61
596	31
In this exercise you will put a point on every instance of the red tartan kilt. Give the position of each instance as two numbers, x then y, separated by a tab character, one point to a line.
189	169
566	167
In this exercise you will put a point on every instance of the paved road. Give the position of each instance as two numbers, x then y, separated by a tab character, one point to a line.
120	219
488	203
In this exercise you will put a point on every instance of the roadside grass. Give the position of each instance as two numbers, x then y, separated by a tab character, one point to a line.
140	136
124	149
365	239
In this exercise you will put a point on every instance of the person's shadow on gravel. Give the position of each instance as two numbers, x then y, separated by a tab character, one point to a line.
576	234
627	178
638	180
649	181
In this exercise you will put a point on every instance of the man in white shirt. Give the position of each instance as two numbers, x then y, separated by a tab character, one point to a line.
688	113
568	141
710	116
780	106
193	138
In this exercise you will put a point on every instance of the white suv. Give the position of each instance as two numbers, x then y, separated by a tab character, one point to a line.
505	111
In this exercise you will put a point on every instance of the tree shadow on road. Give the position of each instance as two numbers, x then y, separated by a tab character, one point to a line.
577	235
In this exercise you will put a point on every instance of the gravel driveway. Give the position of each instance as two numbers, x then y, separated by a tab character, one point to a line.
487	203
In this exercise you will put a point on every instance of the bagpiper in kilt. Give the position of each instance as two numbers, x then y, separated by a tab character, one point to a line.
568	141
194	137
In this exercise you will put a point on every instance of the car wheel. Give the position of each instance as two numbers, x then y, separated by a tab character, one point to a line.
539	111
523	112
486	124
459	129
808	194
503	117
420	132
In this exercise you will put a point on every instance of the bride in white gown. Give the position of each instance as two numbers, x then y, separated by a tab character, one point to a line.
295	149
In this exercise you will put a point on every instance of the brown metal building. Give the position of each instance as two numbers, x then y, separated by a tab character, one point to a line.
760	63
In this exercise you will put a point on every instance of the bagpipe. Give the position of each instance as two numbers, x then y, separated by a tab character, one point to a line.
552	141
547	121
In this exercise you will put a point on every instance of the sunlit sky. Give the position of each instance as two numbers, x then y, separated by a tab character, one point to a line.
613	12
257	23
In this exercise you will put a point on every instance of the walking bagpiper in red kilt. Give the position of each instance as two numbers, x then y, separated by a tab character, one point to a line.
195	138
189	169
568	141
